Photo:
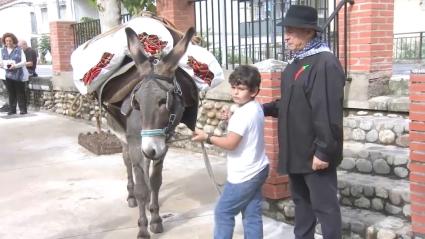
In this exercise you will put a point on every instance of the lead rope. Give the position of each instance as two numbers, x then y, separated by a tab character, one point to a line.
209	169
207	163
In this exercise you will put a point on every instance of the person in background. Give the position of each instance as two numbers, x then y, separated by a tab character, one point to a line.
13	61
247	163
5	107
31	56
310	132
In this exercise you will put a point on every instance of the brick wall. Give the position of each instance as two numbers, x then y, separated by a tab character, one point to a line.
276	186
181	13
370	35
62	45
417	151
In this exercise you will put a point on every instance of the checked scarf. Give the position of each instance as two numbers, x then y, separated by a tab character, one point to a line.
313	47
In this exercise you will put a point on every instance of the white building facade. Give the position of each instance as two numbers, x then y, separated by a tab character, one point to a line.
28	20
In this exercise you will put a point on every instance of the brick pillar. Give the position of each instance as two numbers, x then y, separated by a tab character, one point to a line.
180	12
370	35
417	150
370	48
276	186
62	44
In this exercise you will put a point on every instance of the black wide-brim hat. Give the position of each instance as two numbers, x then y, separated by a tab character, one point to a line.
302	17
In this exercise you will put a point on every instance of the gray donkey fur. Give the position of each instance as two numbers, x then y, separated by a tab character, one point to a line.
148	106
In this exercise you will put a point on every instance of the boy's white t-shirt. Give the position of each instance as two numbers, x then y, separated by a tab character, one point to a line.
249	157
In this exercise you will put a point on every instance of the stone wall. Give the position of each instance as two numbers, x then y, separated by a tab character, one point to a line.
67	103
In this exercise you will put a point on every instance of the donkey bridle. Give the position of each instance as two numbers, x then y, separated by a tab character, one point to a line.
176	91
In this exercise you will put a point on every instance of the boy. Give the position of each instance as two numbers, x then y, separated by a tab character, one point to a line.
247	163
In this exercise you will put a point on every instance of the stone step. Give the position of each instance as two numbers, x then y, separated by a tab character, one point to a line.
393	103
375	193
399	85
356	223
377	128
375	159
359	223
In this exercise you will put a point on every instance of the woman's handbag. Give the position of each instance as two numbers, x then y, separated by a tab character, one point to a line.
15	74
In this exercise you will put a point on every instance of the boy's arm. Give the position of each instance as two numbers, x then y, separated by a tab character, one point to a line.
228	142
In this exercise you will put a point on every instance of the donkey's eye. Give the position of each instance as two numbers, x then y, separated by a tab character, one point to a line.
162	101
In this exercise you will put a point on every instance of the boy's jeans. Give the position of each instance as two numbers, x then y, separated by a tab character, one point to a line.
243	197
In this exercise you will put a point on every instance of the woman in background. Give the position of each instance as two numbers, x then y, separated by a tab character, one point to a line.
12	59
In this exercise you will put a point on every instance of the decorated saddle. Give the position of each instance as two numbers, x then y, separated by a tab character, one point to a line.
106	55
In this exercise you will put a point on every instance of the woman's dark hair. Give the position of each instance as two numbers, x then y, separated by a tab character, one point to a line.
11	35
246	75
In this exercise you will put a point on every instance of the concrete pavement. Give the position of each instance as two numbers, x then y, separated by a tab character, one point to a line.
52	188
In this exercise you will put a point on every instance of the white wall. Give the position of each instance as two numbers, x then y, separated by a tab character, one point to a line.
16	19
409	16
83	9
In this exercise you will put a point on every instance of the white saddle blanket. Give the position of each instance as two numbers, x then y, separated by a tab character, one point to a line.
99	58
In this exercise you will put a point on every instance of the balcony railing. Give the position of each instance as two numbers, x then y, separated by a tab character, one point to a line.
409	46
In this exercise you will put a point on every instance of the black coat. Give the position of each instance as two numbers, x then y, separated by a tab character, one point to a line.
310	113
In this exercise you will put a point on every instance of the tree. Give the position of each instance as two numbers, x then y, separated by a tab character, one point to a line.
109	13
110	10
44	47
134	7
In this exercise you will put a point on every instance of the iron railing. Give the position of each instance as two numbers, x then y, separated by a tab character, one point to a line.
245	31
85	31
409	46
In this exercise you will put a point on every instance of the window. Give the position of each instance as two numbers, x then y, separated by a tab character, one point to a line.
62	11
33	23
44	16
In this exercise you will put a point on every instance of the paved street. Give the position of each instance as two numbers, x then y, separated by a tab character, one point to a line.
52	188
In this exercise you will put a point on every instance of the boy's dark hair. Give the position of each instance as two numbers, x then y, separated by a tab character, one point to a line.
246	75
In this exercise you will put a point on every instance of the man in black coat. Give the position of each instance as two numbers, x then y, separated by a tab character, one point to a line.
31	56
310	115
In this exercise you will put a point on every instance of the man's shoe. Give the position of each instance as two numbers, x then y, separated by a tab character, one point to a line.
11	113
5	108
23	112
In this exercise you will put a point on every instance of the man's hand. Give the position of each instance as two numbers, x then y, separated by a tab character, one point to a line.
225	113
319	164
199	135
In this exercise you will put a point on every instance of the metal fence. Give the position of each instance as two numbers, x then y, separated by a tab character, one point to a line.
85	31
409	46
246	31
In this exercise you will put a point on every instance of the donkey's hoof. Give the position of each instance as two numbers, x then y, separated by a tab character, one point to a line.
156	227
132	202
143	235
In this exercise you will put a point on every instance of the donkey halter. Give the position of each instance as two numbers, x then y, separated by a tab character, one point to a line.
174	91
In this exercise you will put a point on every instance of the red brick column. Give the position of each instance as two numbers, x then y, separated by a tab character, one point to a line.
417	151
62	44
276	186
370	35
180	12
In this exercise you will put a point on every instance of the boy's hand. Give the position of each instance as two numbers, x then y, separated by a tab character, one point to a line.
199	135
319	164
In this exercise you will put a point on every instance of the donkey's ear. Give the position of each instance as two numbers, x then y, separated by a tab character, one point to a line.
172	59
136	49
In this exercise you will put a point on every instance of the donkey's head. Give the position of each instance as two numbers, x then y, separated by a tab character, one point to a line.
157	97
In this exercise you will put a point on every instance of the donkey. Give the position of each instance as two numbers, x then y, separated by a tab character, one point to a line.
160	95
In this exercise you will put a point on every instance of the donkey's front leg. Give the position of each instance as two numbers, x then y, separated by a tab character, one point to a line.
141	190
131	200
156	181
